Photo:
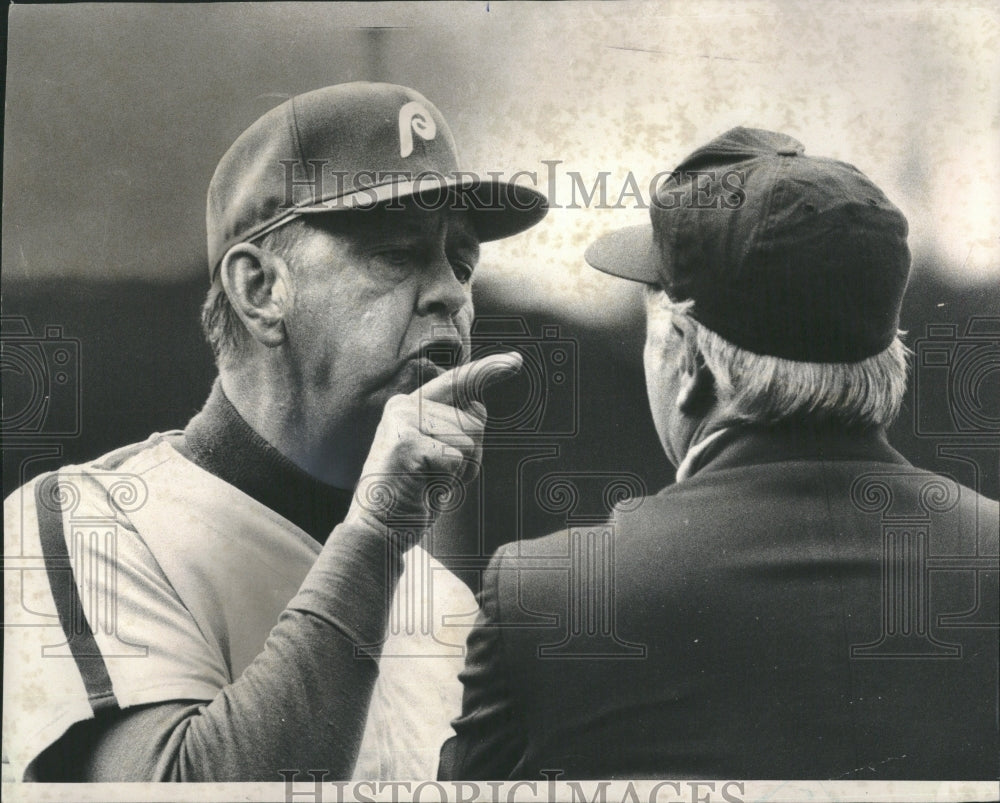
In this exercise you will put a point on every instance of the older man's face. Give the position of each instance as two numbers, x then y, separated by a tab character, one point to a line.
369	301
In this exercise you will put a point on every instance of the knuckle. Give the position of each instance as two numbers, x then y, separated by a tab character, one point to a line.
464	444
470	423
414	456
455	464
398	405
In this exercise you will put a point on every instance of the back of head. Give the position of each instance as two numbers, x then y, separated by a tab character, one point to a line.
792	270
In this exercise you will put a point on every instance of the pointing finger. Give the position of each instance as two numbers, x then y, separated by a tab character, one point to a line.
462	386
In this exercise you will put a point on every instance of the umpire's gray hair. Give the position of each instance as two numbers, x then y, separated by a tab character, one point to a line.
761	389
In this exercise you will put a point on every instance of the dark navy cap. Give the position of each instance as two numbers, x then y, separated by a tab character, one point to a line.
794	256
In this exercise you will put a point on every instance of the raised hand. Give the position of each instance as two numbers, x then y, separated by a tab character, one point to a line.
432	436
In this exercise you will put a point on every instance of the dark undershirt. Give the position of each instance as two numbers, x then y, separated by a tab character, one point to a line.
302	703
218	440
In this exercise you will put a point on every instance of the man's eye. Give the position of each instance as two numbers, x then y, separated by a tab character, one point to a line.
463	271
396	256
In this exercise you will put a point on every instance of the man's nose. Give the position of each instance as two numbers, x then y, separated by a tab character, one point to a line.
441	292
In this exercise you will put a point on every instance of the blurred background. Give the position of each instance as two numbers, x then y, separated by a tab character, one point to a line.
117	114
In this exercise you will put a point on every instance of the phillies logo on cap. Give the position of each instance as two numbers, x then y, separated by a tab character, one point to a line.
414	117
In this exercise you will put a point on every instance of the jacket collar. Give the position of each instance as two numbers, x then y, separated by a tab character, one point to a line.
748	444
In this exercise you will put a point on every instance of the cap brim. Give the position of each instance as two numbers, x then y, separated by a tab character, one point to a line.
629	253
501	209
498	209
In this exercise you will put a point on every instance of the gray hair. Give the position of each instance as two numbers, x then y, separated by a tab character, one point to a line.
220	324
761	389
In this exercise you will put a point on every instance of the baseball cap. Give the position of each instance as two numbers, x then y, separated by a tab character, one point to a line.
351	146
794	256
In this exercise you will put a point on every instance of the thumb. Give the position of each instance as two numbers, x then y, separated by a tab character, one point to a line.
463	385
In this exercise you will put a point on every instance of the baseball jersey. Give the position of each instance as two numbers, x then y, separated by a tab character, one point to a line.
145	578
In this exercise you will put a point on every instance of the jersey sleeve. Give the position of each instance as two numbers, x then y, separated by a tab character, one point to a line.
100	632
91	622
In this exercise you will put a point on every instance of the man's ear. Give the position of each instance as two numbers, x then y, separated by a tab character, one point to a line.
259	288
696	393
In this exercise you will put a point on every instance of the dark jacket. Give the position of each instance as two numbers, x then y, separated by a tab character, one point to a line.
805	605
